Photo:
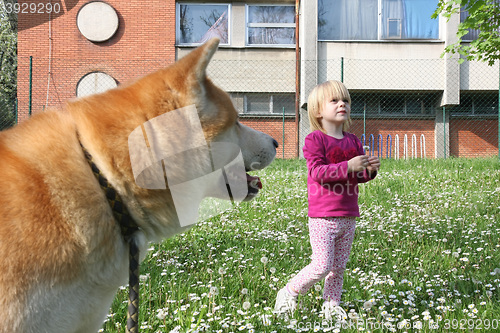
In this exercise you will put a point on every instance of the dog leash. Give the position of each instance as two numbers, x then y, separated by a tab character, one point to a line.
128	228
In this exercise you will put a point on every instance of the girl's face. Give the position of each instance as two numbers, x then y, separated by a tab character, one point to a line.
335	111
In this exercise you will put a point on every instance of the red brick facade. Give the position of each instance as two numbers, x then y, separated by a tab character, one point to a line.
285	132
398	127
474	138
144	42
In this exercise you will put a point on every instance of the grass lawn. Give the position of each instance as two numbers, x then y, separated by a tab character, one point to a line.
426	253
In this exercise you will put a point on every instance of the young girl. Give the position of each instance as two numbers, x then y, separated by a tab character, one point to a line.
336	163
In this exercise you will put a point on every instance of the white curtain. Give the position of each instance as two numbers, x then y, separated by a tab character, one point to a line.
348	19
359	19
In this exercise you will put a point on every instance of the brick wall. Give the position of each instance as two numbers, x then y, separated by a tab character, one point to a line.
473	138
144	42
287	139
400	127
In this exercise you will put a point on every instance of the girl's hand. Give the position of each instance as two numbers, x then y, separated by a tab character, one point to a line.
358	163
373	164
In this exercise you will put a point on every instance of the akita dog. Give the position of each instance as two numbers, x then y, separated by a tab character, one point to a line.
62	252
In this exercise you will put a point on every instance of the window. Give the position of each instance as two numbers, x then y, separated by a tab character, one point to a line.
393	103
94	83
264	104
270	25
484	103
377	19
473	33
197	23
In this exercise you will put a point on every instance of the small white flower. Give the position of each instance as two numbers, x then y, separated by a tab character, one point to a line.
244	291
177	329
222	271
162	313
265	320
264	260
246	305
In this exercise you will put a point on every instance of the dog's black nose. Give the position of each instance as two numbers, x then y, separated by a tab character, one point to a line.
275	143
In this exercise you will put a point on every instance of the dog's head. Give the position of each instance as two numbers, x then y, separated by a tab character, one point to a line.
187	93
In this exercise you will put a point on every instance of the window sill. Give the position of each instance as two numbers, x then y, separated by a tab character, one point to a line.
265	115
383	116
384	41
227	46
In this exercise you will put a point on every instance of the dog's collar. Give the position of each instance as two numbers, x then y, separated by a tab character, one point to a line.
128	228
120	211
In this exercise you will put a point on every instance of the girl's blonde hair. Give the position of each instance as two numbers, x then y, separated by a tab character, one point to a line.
322	92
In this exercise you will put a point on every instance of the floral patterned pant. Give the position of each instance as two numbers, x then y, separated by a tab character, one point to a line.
331	240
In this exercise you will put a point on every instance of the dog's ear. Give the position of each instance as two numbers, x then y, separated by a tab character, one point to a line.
196	62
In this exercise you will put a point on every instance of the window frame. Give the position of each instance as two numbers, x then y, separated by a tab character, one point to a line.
178	23
267	25
376	104
380	28
478	104
270	97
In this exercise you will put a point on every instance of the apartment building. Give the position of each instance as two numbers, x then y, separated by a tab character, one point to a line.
407	98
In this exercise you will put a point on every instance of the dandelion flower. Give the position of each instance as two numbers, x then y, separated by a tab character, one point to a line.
246	305
264	260
214	291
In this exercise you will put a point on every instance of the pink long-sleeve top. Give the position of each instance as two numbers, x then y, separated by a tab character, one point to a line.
332	190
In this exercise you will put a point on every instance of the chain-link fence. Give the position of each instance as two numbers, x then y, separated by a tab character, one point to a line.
8	101
418	108
400	108
8	113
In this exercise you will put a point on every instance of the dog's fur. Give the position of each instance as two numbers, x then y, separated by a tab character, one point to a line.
62	256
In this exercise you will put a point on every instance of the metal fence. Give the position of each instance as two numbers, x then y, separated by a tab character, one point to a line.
397	105
8	113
